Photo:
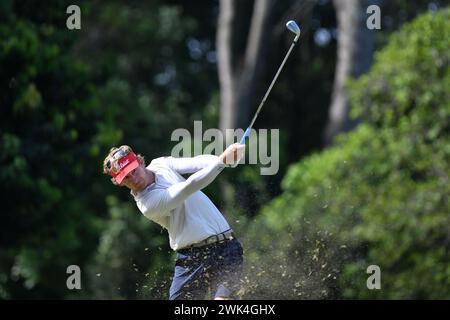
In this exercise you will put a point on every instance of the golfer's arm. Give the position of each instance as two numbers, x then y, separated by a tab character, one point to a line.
159	202
192	164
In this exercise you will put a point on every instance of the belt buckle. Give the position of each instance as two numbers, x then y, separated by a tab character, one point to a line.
215	239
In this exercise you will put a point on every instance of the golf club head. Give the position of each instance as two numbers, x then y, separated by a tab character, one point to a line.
293	26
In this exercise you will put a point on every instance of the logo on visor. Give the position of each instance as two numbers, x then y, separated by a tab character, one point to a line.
123	164
119	165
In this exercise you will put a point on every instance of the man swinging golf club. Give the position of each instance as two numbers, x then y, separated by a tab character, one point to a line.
208	256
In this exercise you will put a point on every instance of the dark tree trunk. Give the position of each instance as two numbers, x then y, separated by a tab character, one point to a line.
239	69
354	57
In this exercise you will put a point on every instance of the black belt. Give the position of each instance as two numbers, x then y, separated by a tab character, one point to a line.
217	238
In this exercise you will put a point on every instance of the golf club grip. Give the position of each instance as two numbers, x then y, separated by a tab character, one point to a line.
245	136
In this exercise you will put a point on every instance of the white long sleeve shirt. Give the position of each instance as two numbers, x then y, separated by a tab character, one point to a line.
177	203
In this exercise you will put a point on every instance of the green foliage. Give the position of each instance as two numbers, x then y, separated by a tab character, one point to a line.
45	142
133	259
148	81
379	196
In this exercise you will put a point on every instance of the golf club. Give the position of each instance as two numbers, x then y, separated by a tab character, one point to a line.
292	26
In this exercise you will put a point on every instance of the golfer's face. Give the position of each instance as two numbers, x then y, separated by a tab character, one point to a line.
135	180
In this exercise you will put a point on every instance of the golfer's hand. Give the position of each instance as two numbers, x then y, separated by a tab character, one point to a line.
233	154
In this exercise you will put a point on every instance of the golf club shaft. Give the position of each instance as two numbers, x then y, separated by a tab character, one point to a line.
249	128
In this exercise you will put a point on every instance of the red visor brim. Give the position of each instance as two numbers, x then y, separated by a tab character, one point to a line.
125	171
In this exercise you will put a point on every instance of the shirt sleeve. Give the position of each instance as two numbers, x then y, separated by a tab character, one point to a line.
159	202
192	164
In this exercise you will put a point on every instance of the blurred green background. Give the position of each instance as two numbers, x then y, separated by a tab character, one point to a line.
364	143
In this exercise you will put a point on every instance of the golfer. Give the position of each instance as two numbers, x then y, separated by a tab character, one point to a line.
208	255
